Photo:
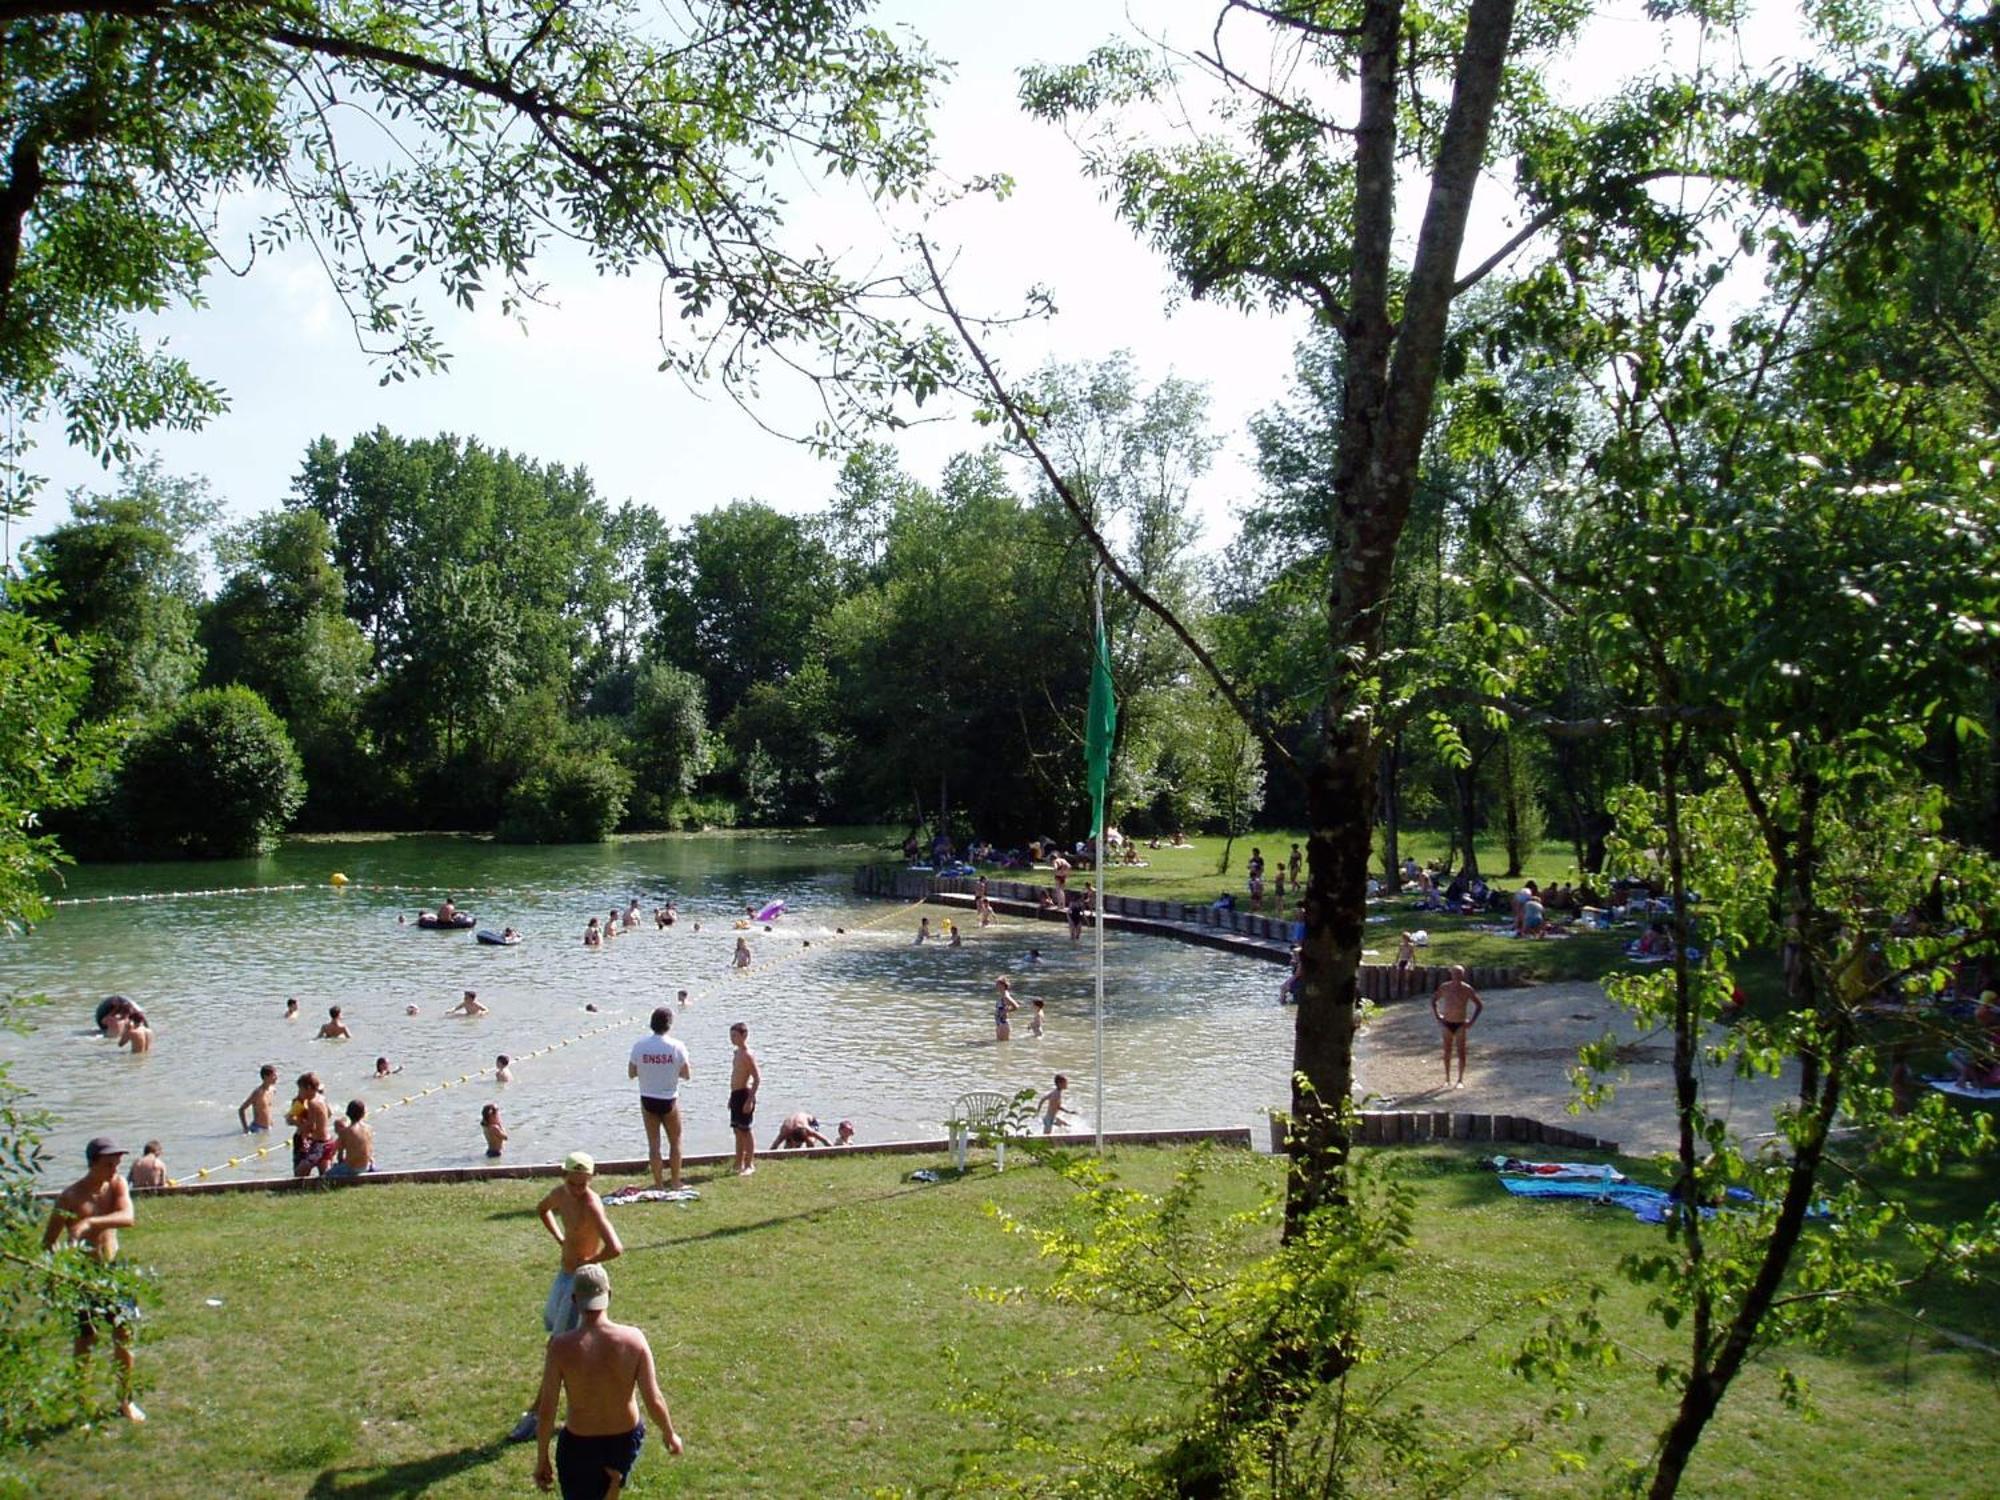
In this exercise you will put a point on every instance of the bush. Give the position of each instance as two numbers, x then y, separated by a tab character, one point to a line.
574	799
217	778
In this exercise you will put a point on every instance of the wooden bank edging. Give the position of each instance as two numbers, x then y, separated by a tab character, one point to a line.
1410	1127
1250	934
1234	1135
1378	1128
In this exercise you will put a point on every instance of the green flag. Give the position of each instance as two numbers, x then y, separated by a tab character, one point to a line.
1103	725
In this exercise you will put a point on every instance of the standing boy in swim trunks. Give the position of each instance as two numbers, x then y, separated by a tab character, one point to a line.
1051	1105
744	1081
574	1216
603	1367
1449	1006
315	1121
90	1212
254	1113
661	1065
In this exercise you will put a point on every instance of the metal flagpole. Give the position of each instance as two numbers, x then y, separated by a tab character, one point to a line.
1099	591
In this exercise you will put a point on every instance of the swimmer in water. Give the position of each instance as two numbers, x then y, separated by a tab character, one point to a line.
742	958
382	1068
503	1069
469	1006
254	1113
496	1133
334	1029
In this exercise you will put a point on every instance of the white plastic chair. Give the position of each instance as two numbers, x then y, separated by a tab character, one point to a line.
980	1109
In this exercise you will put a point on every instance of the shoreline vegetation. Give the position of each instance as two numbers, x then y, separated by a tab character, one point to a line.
855	1389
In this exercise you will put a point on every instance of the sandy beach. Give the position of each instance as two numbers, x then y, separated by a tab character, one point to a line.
1518	1061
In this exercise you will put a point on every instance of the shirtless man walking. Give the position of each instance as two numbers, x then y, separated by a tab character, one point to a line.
90	1212
661	1065
604	1368
1449	1006
574	1216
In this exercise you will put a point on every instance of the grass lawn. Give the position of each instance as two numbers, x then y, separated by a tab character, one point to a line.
1190	874
381	1342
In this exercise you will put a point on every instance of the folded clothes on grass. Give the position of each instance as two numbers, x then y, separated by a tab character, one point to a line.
1573	1171
650	1195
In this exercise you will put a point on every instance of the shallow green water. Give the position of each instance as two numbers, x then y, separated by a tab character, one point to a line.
861	1024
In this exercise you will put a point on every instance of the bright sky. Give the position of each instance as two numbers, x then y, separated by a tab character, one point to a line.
580	386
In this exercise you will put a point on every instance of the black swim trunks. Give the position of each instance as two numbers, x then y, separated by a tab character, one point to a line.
581	1461
99	1311
741	1107
652	1106
1450	1026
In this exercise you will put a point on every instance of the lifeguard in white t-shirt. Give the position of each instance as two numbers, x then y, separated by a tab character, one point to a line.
661	1064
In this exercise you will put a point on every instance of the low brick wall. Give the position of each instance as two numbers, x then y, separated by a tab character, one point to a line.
1408	1127
1384	982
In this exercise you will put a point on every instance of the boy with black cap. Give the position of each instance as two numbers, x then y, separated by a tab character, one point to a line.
90	1212
604	1367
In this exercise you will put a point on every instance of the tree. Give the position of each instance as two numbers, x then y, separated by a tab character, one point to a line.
122	575
217	779
1132	458
983	732
462	668
669	740
734	597
573	798
1297	208
450	141
51	755
279	627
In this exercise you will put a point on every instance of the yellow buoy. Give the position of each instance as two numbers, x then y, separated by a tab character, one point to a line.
203	1173
337	879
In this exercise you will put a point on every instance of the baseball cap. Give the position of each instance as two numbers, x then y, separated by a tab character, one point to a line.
580	1161
591	1288
102	1145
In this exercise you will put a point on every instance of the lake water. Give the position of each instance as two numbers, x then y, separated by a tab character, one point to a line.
861	1025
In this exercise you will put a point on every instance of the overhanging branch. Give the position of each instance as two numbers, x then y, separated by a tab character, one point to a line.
1018	420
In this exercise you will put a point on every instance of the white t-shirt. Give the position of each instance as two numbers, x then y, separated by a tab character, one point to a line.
659	1060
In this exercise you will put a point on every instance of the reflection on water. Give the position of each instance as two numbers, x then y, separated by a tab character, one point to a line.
861	1024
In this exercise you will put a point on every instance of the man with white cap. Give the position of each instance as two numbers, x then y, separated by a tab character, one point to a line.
604	1368
574	1216
89	1213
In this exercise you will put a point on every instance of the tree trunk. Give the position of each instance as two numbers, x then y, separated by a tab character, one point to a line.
1389	389
1510	808
1993	769
1465	784
1390	779
1337	782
